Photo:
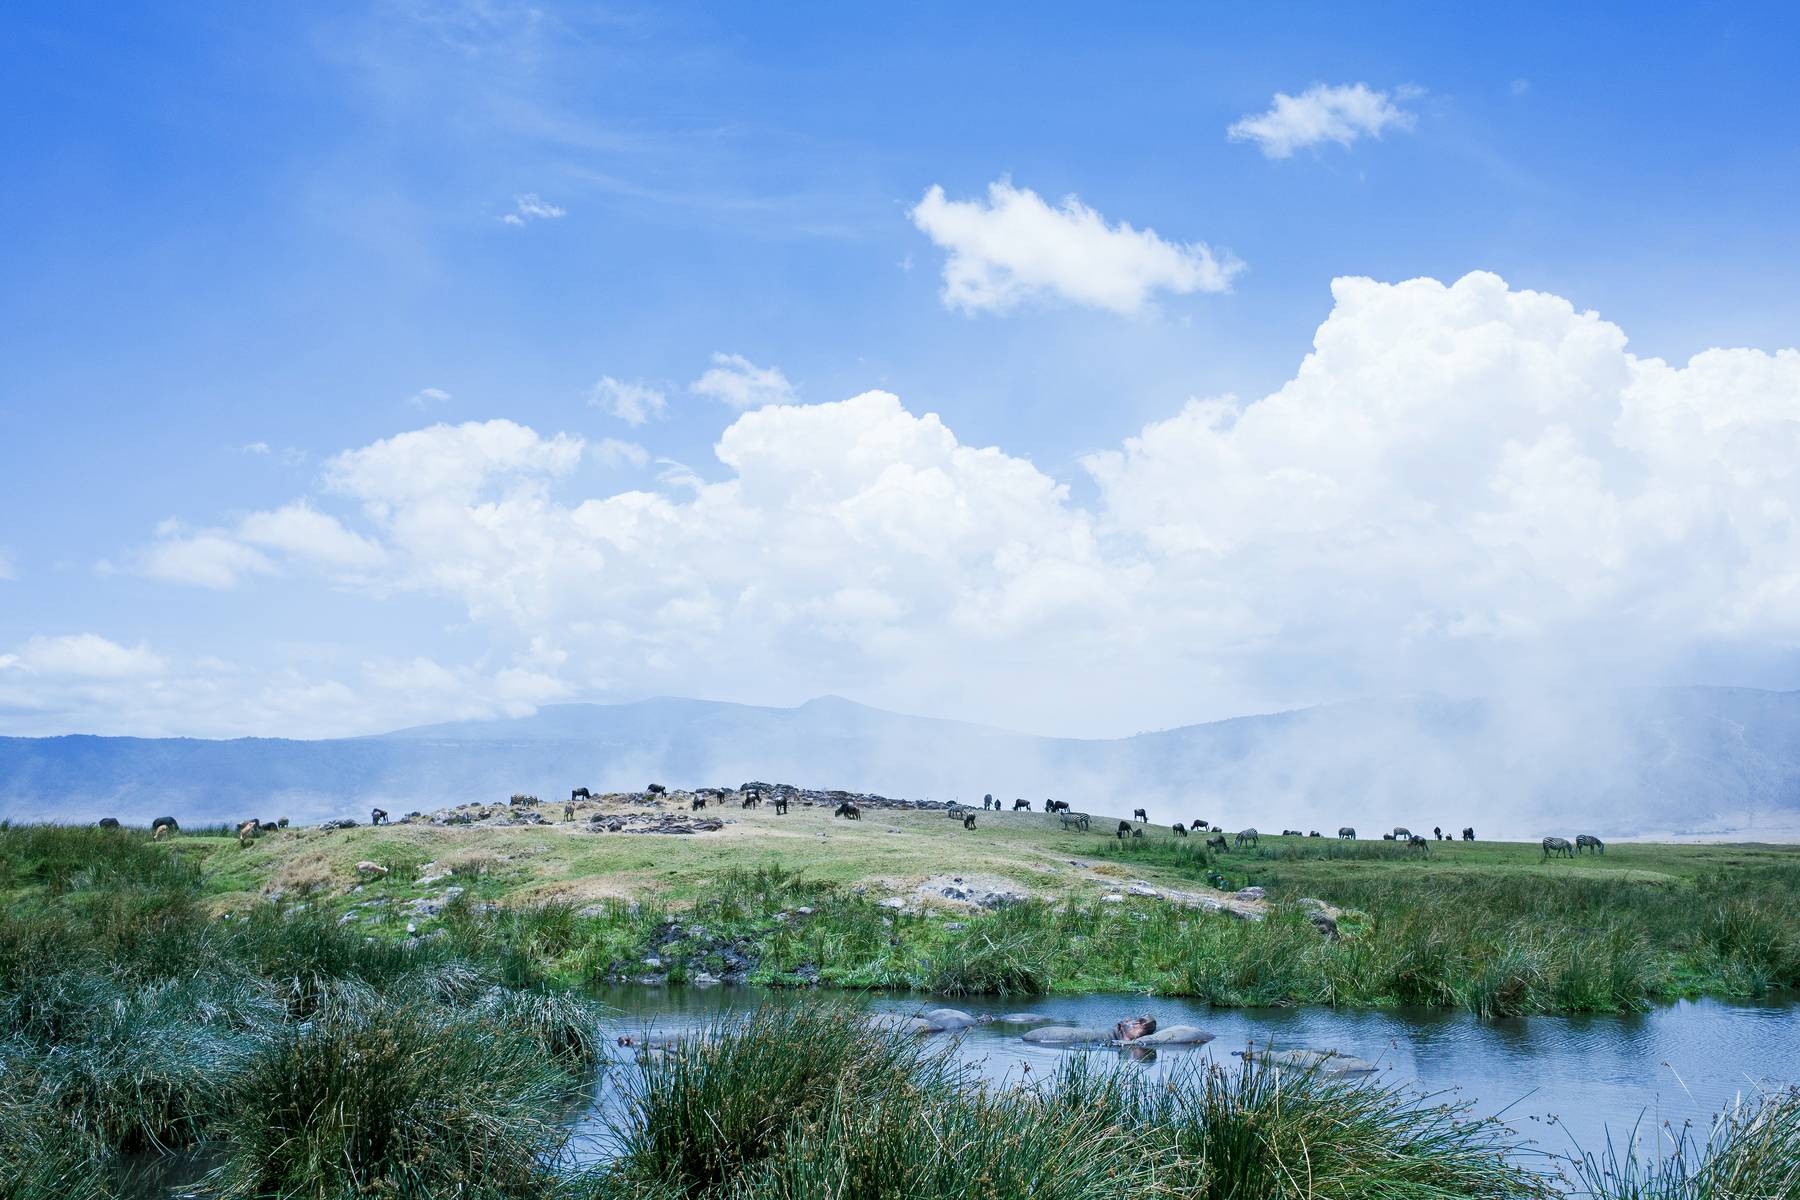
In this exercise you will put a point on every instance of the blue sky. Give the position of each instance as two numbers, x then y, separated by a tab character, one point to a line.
244	242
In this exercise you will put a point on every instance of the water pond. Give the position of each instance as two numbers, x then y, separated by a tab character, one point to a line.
1556	1080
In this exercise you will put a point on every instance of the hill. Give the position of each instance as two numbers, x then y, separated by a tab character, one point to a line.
1682	761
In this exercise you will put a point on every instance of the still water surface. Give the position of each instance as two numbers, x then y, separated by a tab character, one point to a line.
1681	1062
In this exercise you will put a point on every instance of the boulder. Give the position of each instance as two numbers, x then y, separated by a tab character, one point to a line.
1132	1028
1249	893
1067	1035
1325	923
1175	1035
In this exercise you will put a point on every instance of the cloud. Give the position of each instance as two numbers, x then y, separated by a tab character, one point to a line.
1015	247
740	383
207	558
612	452
426	397
302	531
1460	484
1341	114
8	569
632	403
254	448
81	655
531	207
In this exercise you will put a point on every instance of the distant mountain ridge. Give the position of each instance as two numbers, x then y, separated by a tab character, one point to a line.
1689	759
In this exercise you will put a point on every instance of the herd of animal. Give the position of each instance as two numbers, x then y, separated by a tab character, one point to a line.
1553	847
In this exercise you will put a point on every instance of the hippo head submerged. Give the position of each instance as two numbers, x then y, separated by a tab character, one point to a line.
1132	1028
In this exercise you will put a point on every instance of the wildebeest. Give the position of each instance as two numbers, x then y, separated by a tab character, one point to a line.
377	816
1315	833
1051	806
968	820
1401	833
1347	832
656	789
1468	833
987	801
1216	842
1138	814
109	822
164	827
752	800
1123	831
1437	831
1415	842
580	794
1290	833
781	802
1247	835
1180	829
569	811
847	810
1021	804
270	826
1558	846
698	803
1587	841
1387	837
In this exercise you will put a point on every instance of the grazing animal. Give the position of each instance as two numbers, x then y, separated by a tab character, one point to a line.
569	811
1415	842
1056	806
377	816
1587	841
1401	833
987	801
1139	814
698	803
246	832
1074	820
1437	831
109	822
751	800
656	789
1124	830
1216	842
1198	826
281	824
1558	846
968	820
1137	833
163	827
1290	833
1021	804
1347	832
370	868
1180	829
1315	833
580	794
269	827
848	811
1247	835
781	803
1387	837
1468	833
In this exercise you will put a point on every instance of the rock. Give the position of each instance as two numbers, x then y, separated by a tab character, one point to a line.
1325	923
803	911
1067	1035
953	926
653	962
1249	893
703	979
1329	1062
893	902
428	880
1132	1028
1309	902
1138	887
339	823
1175	1035
950	1018
1113	898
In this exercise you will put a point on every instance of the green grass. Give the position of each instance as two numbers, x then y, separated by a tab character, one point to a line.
811	1101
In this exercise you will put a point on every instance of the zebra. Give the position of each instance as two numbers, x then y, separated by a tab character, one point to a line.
569	811
1346	833
1180	829
1247	835
1558	846
1587	841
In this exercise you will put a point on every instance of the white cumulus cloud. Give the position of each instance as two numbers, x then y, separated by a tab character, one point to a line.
532	207
1014	247
740	383
632	403
1339	113
81	655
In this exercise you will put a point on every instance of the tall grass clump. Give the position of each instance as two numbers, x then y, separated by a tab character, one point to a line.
1752	1152
403	1101
814	1102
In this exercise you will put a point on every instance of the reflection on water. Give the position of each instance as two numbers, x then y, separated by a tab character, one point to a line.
1682	1062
